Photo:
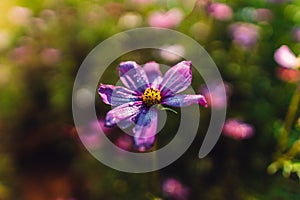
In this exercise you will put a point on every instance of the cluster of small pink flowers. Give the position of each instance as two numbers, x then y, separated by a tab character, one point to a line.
214	97
244	34
220	11
237	129
175	189
169	19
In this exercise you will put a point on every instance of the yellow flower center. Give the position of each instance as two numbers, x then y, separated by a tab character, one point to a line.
151	96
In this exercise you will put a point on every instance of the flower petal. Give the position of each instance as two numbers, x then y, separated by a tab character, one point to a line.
133	76
116	95
127	111
286	58
143	144
182	100
145	129
152	70
176	79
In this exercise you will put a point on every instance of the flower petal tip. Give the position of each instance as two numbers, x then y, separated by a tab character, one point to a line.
143	144
127	62
203	102
110	120
188	63
151	62
126	66
108	123
100	87
105	93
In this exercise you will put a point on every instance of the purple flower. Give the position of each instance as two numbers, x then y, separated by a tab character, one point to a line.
237	129
286	58
220	11
144	88
173	188
244	34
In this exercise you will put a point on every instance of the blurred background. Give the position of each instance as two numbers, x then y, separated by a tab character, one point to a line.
44	42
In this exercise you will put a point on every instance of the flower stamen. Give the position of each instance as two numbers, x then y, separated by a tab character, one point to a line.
151	96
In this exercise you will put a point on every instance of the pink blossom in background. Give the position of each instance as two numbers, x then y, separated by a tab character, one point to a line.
172	53
288	75
262	14
214	97
220	11
145	2
124	142
286	58
244	34
19	15
169	19
91	137
22	55
104	128
50	56
174	189
92	140
237	129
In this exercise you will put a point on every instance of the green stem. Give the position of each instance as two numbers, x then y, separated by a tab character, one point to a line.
160	107
150	196
290	117
154	158
169	109
293	150
154	175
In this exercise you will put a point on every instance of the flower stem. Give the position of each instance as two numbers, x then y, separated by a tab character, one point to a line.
290	117
167	109
293	150
154	175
